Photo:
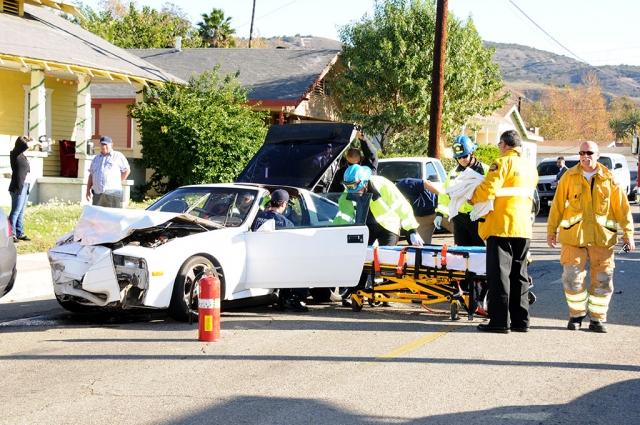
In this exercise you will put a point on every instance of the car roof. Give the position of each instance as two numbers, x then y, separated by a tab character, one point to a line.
290	154
408	159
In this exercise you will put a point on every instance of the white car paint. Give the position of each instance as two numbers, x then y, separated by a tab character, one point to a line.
252	263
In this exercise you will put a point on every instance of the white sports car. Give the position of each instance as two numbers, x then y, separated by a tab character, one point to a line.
153	258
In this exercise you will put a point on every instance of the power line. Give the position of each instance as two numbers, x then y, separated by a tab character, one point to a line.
568	50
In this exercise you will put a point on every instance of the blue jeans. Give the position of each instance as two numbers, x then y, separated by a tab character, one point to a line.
18	205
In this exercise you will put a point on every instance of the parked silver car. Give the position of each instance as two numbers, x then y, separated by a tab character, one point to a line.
8	256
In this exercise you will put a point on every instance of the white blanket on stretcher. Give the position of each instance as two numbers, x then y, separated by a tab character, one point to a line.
390	255
462	191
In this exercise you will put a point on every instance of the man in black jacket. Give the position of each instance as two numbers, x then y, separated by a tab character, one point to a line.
369	158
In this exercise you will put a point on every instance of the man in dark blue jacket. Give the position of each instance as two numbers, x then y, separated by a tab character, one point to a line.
423	197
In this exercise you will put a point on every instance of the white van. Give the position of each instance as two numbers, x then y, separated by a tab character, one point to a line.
547	170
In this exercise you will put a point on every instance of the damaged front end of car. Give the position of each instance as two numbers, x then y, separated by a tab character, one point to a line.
112	271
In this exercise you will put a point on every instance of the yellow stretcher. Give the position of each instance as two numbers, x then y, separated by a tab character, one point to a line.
425	275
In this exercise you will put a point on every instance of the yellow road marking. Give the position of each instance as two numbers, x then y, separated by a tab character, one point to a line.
417	343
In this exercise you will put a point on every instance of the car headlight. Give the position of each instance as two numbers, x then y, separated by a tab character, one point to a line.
128	261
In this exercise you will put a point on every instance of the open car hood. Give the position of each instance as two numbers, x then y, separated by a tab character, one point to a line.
299	155
107	225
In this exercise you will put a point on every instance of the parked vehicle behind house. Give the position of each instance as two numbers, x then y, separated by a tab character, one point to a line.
548	169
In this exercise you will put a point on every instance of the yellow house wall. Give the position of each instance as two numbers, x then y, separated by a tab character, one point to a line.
63	117
11	108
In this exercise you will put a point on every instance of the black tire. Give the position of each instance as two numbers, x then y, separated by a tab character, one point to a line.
190	272
74	306
455	308
355	306
321	295
327	295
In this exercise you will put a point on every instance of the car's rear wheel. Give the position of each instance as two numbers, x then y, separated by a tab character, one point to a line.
182	299
325	295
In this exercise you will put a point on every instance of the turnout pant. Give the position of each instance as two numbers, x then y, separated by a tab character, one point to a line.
601	264
465	231
508	281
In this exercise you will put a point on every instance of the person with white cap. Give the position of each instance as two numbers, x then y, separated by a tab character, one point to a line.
106	173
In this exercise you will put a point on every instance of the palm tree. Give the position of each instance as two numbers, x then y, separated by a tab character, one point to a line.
216	30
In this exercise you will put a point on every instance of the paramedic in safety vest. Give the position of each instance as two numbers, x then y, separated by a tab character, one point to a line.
388	210
587	207
465	230
507	229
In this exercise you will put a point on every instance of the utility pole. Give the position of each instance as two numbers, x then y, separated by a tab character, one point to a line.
253	14
437	79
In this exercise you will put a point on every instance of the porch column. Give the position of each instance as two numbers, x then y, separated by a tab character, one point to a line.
83	130
135	139
37	105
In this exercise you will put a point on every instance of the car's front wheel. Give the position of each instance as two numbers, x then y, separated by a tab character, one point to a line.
184	298
70	304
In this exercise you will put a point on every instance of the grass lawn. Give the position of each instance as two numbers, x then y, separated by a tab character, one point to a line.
44	223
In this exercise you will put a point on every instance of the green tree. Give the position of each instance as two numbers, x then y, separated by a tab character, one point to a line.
625	118
200	133
383	78
120	23
216	30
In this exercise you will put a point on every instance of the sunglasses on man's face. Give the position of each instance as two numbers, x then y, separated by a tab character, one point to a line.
588	153
464	156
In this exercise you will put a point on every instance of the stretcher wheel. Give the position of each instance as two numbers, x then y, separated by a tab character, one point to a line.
455	308
356	304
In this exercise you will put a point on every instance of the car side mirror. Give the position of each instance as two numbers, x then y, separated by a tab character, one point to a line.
433	178
618	165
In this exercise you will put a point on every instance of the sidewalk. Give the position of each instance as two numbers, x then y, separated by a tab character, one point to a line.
33	280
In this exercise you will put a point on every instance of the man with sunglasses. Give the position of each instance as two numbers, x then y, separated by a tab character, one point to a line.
587	208
465	230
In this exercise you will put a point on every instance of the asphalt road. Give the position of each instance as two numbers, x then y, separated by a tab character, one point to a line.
397	365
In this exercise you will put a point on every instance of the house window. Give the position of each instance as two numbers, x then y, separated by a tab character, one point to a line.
27	105
322	88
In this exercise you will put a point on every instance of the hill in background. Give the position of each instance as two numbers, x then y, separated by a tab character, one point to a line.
528	70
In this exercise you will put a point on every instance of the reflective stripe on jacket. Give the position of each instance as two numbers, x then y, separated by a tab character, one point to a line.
391	210
444	199
510	183
588	213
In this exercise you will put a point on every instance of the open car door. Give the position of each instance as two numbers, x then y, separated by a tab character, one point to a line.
317	254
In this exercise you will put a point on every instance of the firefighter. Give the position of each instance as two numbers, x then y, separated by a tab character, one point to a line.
510	183
587	207
388	210
465	230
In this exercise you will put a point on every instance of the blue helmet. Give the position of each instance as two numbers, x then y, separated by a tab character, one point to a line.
463	146
356	177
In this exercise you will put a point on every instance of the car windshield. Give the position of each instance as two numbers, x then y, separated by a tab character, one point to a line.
223	205
396	171
551	168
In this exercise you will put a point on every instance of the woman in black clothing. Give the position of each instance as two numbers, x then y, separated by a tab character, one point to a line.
19	187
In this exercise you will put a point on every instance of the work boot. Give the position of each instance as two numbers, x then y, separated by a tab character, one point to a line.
598	326
575	323
295	304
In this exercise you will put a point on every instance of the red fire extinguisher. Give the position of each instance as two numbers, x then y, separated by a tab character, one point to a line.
209	307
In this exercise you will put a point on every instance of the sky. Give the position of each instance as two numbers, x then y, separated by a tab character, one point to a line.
596	32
